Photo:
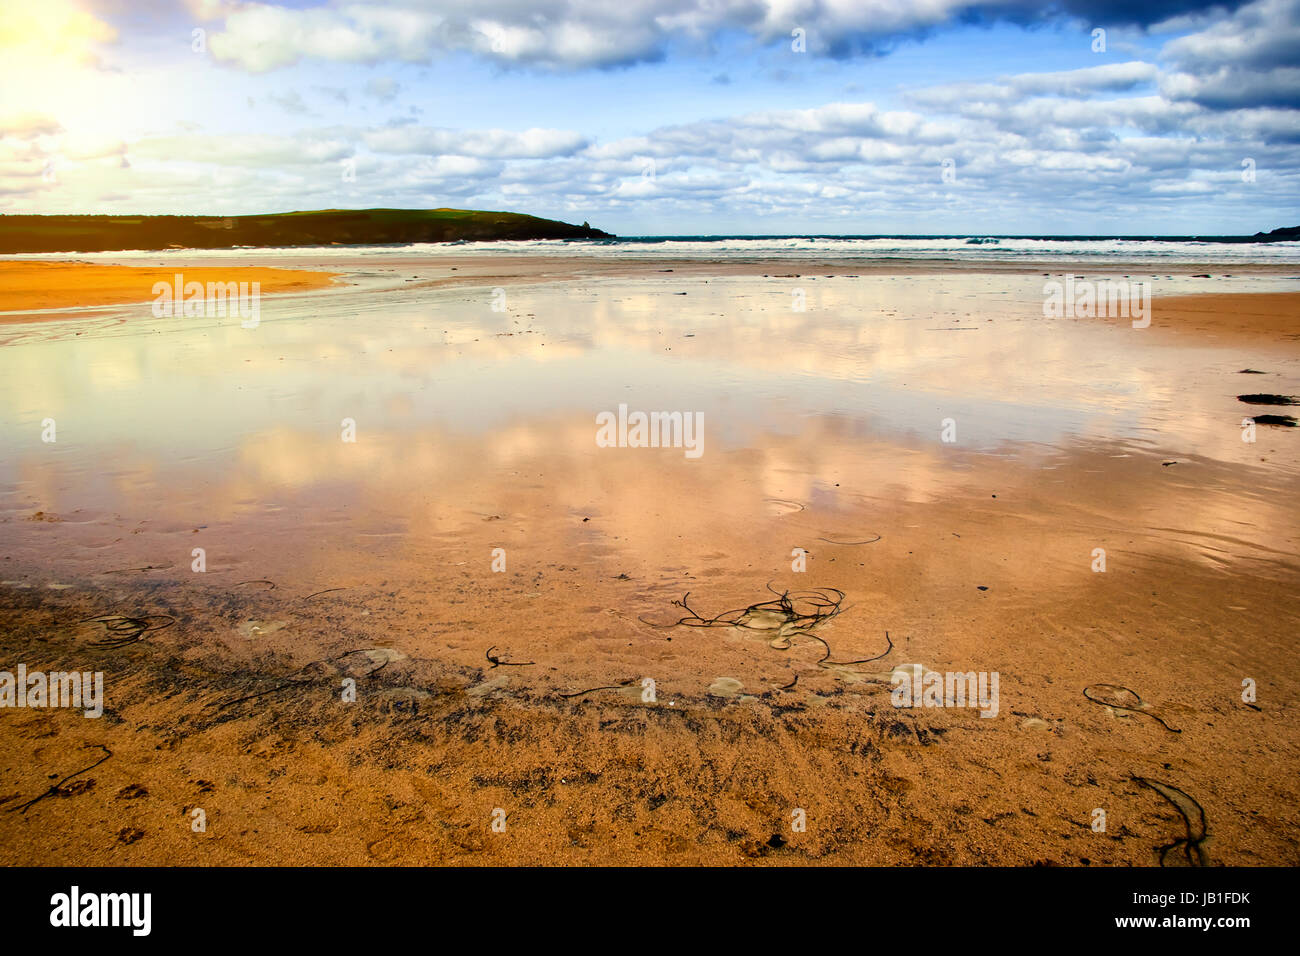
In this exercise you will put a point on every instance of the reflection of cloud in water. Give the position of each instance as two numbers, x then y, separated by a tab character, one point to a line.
853	390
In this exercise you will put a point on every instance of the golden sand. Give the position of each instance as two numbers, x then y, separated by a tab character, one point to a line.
1254	317
27	285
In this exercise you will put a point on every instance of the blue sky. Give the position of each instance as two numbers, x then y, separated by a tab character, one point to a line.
664	116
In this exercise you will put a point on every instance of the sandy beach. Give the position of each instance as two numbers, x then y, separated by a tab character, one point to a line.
27	286
507	599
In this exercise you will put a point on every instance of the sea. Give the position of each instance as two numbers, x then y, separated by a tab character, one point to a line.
1094	250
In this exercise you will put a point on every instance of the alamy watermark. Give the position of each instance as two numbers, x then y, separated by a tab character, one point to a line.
55	689
180	298
917	687
74	908
1102	298
651	430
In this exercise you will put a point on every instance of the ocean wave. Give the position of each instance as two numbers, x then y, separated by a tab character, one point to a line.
830	248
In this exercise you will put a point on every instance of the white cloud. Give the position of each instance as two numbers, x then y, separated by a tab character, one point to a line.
1250	59
382	88
1110	77
493	143
28	125
252	151
561	34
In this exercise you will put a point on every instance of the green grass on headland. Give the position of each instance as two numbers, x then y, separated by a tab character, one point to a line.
19	234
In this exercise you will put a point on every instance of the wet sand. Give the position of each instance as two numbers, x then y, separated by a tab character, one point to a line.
522	689
27	285
1260	317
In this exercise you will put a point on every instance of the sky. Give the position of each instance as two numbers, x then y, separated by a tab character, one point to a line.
664	117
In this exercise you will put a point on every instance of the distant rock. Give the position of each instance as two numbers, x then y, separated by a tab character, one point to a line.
1285	234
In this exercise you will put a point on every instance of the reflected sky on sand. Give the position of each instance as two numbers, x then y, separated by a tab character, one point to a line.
185	423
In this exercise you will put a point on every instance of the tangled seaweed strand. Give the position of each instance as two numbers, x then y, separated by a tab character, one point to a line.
498	662
147	567
1191	846
127	630
54	790
289	680
796	612
1139	707
825	604
591	690
865	660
